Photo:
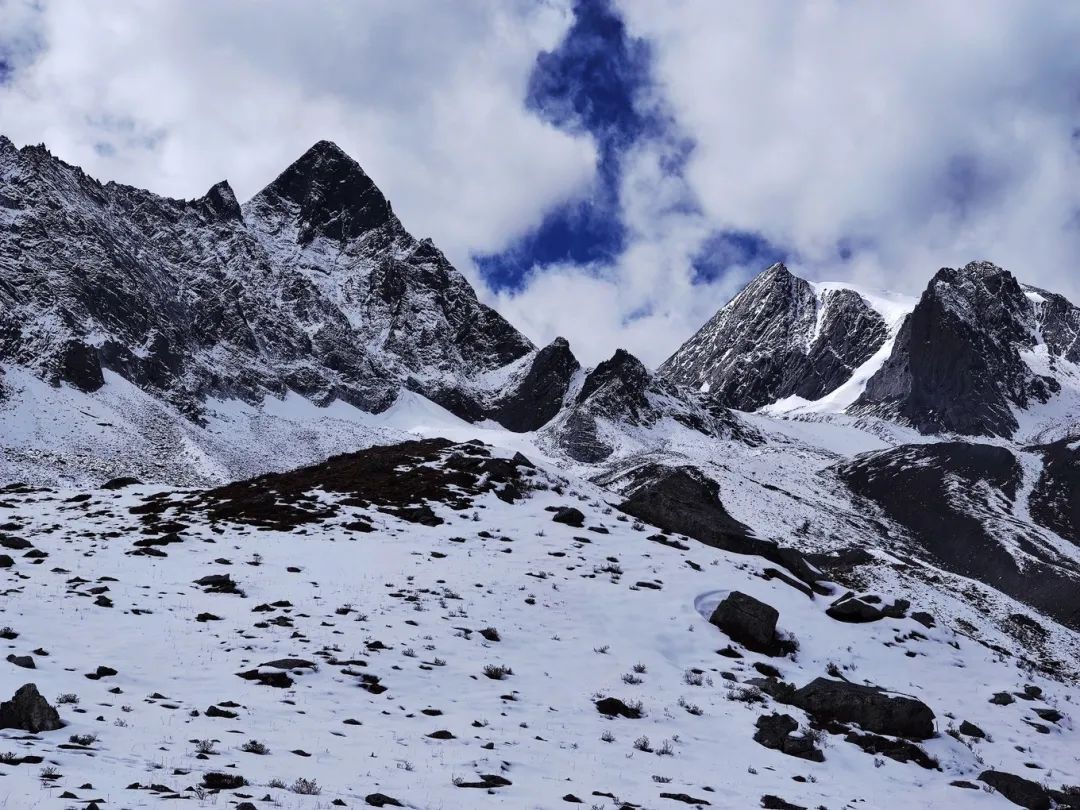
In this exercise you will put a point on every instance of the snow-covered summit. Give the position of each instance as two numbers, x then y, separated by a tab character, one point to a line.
784	337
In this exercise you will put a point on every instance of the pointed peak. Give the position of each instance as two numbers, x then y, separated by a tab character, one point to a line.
330	195
6	145
220	201
981	274
622	368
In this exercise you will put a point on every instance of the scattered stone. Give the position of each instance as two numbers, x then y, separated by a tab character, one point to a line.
923	618
487	780
685	798
899	750
121	482
24	661
280	680
214	780
770	802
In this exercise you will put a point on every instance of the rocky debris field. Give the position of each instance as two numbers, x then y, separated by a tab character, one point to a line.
437	625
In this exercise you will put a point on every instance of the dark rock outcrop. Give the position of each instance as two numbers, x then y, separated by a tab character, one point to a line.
748	621
956	500
29	711
538	397
613	707
872	708
1018	790
956	365
777	731
570	516
683	500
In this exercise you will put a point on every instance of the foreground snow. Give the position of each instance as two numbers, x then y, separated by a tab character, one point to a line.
406	603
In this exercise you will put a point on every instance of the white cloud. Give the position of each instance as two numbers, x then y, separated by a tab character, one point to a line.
813	123
830	121
428	96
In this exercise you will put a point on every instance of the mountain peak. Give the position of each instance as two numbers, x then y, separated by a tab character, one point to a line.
329	195
220	201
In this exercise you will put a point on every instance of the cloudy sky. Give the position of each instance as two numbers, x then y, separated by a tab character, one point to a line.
608	170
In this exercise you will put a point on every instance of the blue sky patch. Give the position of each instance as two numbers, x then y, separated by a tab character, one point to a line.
591	83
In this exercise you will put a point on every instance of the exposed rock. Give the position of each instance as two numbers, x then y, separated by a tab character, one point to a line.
869	706
852	609
950	496
1017	789
613	707
776	731
748	621
382	800
777	338
538	397
570	516
29	711
24	661
956	364
971	730
683	500
899	750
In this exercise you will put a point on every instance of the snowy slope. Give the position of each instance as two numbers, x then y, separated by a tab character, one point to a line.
580	614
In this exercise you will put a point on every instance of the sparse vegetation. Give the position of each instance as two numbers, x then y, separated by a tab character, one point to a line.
497	672
205	747
305	787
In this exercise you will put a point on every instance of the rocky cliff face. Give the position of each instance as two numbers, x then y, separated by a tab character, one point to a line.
779	337
966	358
314	286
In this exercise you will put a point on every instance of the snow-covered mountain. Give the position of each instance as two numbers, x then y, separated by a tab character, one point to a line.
781	337
313	287
450	567
978	354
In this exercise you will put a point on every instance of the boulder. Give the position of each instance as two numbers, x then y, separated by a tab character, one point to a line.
570	516
747	620
1017	789
29	711
873	709
24	661
382	800
900	750
854	610
613	707
971	730
6	561
776	731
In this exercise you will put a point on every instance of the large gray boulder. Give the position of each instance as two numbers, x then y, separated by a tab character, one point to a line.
873	709
29	711
748	621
